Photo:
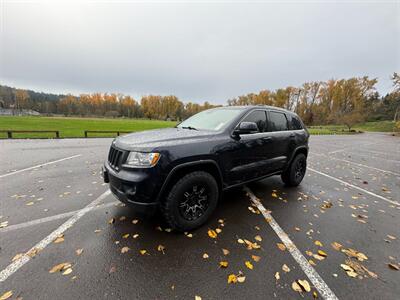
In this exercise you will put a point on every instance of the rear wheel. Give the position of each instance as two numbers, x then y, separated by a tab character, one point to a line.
191	201
296	171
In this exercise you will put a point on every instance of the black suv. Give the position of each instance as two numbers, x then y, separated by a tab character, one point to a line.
184	170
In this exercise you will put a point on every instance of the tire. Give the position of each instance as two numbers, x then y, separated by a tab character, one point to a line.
296	171
191	201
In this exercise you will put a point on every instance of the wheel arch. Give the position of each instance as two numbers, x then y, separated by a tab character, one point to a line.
209	166
298	150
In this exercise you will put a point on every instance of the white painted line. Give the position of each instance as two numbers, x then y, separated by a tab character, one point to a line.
357	164
14	266
311	273
51	218
38	166
354	186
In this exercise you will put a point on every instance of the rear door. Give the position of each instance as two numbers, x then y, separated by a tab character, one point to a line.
280	134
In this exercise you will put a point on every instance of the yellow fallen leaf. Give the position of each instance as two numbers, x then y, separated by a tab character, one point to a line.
391	237
249	265
277	276
258	238
305	285
256	258
274	195
161	248
111	221
232	278
240	241
143	251
6	295
135	221
225	251
296	287
285	268
189	235
212	234
318	243
205	256
78	251
241	278
30	203
59	239
197	297
322	253
59	267
125	236
361	256
281	246
67	271
218	230
346	267
223	264
125	249
351	274
135	236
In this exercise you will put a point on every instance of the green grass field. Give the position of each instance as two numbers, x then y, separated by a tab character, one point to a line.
75	127
378	126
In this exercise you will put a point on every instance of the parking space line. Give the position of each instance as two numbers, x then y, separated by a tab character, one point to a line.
375	157
311	273
354	186
14	266
51	218
41	165
357	164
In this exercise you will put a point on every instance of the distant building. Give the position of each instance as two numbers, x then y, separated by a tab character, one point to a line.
18	112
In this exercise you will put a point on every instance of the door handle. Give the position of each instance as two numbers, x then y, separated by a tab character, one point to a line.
267	139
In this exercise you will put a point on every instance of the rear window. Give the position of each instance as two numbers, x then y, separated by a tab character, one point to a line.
295	123
277	121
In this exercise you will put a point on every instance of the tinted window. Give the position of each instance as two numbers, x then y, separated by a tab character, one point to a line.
278	121
295	123
258	117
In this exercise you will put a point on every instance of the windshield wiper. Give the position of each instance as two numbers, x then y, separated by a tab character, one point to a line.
189	127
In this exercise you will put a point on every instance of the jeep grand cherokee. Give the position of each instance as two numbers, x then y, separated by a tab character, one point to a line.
183	170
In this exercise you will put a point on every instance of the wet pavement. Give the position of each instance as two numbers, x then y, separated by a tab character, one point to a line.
344	219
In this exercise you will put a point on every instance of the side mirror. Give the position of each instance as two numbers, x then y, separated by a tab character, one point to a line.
246	128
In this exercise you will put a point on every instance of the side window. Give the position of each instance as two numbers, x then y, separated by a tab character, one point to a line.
258	117
278	121
295	123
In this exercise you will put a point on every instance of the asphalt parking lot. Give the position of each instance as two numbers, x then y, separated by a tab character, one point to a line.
339	230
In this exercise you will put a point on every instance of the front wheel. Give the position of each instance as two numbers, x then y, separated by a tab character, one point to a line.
191	201
296	171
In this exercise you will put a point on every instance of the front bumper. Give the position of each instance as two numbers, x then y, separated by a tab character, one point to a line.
136	188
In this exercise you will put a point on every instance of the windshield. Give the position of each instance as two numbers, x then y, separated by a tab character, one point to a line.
212	119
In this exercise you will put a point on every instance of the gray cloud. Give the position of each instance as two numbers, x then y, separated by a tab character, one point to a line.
197	51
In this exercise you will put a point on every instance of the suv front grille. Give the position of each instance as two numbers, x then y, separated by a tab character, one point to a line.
114	157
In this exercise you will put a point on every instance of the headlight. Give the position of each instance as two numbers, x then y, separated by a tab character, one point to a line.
142	160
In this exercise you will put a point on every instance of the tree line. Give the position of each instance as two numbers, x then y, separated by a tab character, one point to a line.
336	101
343	101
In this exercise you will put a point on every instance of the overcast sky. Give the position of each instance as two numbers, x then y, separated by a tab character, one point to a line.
197	51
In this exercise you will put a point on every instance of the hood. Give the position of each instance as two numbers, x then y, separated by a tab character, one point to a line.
150	139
